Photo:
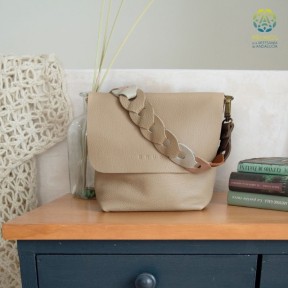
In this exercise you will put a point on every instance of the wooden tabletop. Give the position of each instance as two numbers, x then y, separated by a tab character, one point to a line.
68	218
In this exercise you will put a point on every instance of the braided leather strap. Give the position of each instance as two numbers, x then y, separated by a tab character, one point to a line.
153	129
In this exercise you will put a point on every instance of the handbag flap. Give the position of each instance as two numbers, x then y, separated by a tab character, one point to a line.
116	145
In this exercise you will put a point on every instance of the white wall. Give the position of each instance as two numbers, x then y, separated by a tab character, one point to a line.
177	34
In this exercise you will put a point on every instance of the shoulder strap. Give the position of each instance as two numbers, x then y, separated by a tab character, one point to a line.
153	129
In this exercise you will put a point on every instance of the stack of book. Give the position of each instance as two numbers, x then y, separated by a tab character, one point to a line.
260	183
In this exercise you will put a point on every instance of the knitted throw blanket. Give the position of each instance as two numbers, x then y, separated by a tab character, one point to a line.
34	115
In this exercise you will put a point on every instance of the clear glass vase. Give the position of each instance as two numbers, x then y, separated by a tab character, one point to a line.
77	155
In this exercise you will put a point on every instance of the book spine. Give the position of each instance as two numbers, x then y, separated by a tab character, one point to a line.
262	168
259	183
257	200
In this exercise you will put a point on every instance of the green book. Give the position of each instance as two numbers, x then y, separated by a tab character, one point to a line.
264	165
257	200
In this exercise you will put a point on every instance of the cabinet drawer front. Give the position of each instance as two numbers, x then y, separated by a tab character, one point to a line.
170	271
274	271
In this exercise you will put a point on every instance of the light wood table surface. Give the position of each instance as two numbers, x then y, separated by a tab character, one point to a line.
68	218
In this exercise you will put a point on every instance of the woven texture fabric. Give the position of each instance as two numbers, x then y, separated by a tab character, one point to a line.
34	109
34	115
17	195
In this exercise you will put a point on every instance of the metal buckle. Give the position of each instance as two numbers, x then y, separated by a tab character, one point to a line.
188	160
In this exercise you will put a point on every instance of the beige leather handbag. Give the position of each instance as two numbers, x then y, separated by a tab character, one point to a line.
156	151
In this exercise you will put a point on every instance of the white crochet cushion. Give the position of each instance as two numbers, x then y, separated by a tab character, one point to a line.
34	108
34	115
17	195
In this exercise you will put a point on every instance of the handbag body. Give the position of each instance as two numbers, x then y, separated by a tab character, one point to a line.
130	174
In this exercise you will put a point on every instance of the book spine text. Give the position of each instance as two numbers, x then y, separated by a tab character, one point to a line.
257	200
262	168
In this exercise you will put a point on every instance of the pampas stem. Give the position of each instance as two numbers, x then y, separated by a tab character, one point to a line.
96	70
106	47
98	81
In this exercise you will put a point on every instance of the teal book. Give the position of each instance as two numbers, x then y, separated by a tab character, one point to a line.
257	200
264	165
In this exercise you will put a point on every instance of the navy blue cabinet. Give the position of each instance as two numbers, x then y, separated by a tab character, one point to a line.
219	247
274	271
173	264
170	271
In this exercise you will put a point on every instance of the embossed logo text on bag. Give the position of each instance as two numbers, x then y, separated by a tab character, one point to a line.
148	156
